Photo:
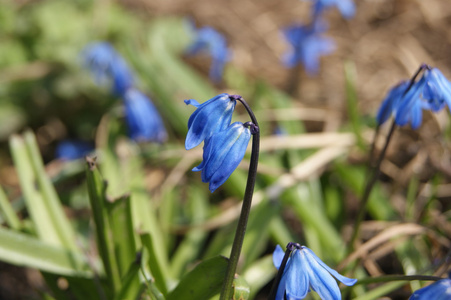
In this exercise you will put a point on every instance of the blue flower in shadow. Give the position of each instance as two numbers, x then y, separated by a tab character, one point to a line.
440	290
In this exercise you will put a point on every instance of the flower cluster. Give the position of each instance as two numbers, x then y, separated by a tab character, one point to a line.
224	143
213	43
307	41
304	271
109	68
407	100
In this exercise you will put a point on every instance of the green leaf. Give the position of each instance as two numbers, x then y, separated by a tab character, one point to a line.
203	282
105	244
8	212
131	287
241	289
22	250
159	271
50	198
36	207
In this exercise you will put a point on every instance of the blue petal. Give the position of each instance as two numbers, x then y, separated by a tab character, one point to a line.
298	280
212	116
391	102
277	256
345	280
228	150
192	102
409	102
440	290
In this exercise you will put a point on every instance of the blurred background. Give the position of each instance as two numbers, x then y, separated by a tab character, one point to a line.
45	88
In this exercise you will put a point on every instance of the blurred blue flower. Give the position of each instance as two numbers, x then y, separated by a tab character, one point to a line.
303	272
144	122
440	290
346	7
307	45
210	41
108	67
73	149
391	102
432	92
223	152
211	116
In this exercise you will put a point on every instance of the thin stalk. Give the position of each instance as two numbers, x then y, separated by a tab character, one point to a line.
388	278
227	288
275	285
369	186
376	170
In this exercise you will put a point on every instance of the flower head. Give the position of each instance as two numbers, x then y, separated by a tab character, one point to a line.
307	45
223	152
210	117
108	67
73	149
440	290
210	41
144	122
346	7
391	102
303	272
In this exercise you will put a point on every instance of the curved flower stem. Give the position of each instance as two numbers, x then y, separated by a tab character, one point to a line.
275	285
369	187
389	278
227	288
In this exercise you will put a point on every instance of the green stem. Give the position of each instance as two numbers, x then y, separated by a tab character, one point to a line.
227	288
389	278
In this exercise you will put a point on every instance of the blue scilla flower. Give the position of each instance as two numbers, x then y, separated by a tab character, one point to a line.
303	272
210	41
307	45
223	152
108	67
73	149
391	102
432	92
346	7
211	116
440	290
143	120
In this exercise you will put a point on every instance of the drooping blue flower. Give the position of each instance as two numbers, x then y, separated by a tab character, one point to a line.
73	149
211	42
440	290
307	45
108	67
391	102
223	152
303	272
211	116
432	92
346	7
143	120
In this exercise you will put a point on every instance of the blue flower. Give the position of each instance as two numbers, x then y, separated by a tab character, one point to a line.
307	46
346	7
108	67
432	92
73	149
391	102
210	41
440	290
303	272
144	122
223	152
211	116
